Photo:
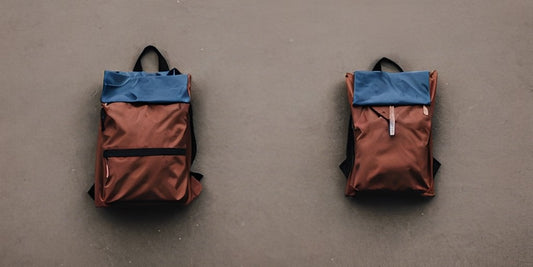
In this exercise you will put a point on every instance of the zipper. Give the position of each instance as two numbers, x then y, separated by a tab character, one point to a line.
139	152
144	152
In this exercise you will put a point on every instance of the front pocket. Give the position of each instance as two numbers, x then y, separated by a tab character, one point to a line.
144	174
399	162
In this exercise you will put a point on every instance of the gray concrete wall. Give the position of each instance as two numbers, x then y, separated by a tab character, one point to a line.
271	116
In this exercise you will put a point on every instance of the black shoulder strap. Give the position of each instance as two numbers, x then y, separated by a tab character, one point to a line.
347	165
91	191
163	65
194	147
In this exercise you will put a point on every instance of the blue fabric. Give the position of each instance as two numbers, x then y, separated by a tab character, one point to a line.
158	87
375	88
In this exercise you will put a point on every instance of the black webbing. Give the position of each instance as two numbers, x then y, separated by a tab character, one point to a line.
377	67
194	146
347	165
144	152
91	191
173	71
163	65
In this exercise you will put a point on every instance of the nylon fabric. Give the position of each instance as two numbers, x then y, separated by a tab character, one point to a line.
162	177
377	88
132	87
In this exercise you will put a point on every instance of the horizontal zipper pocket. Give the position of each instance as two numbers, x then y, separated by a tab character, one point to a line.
148	173
143	152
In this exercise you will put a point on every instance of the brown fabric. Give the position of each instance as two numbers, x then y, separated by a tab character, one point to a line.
147	178
399	163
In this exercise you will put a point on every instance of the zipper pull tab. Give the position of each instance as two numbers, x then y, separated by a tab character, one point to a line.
106	168
392	121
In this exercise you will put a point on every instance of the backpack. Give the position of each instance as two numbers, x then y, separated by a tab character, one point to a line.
389	146
146	142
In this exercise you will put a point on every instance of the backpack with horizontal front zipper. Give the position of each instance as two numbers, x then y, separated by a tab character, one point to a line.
389	146
146	142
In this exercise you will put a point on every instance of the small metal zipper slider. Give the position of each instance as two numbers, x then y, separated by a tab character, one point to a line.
392	121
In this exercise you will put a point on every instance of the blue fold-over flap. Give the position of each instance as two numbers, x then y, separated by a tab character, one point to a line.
374	88
158	87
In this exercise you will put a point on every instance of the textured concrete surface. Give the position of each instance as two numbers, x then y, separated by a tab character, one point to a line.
271	116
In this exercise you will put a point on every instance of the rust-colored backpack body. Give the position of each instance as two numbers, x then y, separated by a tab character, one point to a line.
390	144
146	141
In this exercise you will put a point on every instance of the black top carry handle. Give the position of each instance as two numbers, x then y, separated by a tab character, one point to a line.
163	65
377	67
